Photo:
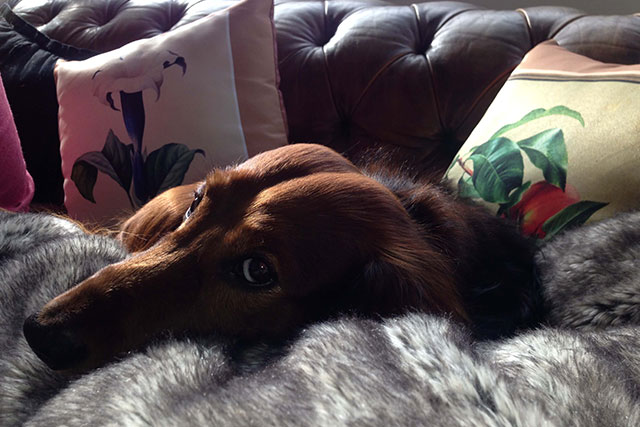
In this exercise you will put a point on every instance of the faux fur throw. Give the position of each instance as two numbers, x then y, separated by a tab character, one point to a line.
582	369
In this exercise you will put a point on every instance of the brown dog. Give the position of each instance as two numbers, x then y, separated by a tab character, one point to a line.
291	236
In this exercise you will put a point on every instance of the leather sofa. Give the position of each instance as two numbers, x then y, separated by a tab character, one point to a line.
412	78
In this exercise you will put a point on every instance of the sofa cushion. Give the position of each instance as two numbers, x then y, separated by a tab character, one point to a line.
559	144
164	111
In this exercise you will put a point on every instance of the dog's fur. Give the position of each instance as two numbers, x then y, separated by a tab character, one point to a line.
416	369
340	240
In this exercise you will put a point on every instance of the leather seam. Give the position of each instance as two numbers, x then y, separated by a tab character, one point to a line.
563	26
418	21
527	20
503	76
378	73
327	73
436	98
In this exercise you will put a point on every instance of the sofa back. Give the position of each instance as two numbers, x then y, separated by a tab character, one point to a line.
355	75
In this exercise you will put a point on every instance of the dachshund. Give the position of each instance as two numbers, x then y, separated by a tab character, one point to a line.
292	236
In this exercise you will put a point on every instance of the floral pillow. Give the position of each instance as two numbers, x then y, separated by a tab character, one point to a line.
164	111
559	145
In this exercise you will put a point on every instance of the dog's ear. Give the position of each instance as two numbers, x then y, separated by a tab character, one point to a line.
161	215
403	278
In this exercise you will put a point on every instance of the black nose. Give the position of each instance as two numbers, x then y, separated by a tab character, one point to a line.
55	345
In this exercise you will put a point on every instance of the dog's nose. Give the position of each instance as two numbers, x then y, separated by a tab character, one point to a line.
55	345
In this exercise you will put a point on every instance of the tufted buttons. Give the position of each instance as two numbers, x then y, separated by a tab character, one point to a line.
401	75
417	77
104	15
103	25
613	39
356	75
38	13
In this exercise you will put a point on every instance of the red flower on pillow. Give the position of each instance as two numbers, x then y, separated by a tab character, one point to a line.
539	203
495	170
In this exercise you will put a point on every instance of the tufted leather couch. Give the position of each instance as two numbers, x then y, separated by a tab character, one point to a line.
415	78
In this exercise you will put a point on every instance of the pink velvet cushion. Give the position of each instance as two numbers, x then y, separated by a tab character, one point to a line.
16	185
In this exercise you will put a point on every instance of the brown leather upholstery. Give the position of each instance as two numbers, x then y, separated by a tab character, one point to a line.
356	74
418	76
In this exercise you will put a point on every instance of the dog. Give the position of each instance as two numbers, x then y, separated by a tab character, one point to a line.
292	236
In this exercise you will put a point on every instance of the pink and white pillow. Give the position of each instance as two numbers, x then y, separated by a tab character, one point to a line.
164	111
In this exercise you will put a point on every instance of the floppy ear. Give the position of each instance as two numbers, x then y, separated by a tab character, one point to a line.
161	215
409	276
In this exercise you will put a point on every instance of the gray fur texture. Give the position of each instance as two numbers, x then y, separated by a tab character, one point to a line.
415	369
591	276
41	256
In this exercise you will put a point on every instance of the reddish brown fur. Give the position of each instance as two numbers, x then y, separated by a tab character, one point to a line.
339	241
162	214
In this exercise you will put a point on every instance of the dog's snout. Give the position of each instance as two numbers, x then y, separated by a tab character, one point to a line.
56	346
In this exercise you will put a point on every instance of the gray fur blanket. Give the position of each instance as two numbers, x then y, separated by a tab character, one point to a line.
582	369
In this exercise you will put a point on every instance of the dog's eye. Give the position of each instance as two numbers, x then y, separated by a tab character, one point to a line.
255	271
197	198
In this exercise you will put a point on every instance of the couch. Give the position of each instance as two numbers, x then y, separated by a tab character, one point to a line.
418	85
411	80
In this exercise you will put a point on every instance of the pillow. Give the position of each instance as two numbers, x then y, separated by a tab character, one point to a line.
16	190
164	111
558	146
27	59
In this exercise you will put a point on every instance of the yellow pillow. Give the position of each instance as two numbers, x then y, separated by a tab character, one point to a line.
560	144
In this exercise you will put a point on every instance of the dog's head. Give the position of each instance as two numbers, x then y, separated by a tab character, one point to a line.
290	236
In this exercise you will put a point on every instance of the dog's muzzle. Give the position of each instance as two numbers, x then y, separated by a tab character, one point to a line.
55	346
